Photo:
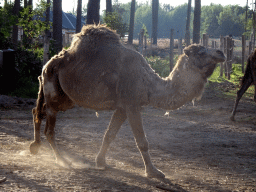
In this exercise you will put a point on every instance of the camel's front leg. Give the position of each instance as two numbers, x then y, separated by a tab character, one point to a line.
135	121
50	135
117	120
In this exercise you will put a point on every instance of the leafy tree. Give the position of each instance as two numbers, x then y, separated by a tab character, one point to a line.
7	20
230	22
209	20
16	9
34	28
114	21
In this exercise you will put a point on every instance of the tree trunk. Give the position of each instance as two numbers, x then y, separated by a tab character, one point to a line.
93	12
197	21
108	6
187	35
78	16
15	27
131	27
155	6
47	36
30	3
25	3
57	24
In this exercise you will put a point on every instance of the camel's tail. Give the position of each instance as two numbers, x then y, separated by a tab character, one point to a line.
38	111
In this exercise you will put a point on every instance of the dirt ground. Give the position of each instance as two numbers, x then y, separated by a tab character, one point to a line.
197	147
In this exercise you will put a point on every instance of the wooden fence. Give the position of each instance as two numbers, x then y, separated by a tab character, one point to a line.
226	44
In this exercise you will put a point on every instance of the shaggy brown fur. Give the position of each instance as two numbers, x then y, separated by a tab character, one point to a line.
249	78
98	72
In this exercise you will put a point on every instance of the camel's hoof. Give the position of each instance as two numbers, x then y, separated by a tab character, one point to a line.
63	163
232	118
34	147
100	162
155	173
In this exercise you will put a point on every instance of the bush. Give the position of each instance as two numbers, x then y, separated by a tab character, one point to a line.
161	66
23	78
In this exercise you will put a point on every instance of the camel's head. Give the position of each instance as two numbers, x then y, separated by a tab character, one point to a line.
204	58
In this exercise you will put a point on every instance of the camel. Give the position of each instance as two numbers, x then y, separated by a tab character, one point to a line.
248	79
98	72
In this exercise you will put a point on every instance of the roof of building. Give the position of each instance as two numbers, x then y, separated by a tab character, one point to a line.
68	20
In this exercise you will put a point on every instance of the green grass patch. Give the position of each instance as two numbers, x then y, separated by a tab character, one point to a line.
235	78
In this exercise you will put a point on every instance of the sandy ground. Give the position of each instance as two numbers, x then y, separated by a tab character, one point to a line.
197	147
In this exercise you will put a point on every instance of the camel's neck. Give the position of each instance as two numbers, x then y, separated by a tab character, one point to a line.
180	87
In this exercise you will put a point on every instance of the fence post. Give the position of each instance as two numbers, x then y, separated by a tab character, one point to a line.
222	49
229	52
243	51
141	40
180	46
145	40
205	40
171	54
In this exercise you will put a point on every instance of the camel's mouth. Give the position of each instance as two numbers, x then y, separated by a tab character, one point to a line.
219	57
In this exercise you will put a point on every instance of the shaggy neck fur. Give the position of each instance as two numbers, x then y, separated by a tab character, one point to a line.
175	90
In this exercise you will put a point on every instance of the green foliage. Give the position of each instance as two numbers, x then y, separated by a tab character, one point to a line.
114	21
235	78
167	18
209	19
7	20
161	66
145	30
216	19
29	67
33	22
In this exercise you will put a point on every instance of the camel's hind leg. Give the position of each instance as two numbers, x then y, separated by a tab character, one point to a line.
135	121
117	120
38	113
50	135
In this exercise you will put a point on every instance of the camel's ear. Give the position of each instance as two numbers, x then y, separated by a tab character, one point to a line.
194	49
187	51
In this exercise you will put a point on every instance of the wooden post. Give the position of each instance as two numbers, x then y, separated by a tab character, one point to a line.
243	51
141	40
225	52
145	42
228	63
180	46
205	40
171	54
63	40
222	49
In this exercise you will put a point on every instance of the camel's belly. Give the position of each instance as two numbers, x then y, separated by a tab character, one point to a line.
98	97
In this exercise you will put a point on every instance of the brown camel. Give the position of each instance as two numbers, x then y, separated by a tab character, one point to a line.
98	72
249	78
